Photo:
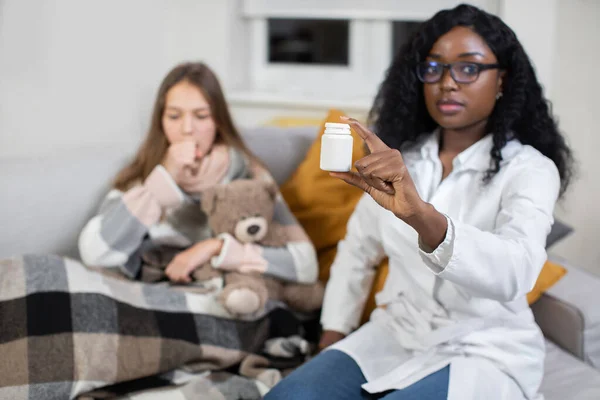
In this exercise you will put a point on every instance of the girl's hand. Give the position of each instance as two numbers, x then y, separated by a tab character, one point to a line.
181	160
184	263
384	176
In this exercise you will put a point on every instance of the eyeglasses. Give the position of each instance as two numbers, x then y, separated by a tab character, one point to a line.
461	71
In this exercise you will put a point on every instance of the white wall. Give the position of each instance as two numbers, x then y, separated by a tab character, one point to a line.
564	40
538	36
576	100
77	73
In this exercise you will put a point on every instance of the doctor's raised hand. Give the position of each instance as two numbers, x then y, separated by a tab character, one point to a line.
383	175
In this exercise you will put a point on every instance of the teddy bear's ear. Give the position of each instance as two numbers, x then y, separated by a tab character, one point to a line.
208	201
272	189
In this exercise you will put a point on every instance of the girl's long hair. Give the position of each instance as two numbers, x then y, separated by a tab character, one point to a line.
154	147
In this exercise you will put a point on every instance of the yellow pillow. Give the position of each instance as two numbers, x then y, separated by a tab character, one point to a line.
323	205
550	274
294	121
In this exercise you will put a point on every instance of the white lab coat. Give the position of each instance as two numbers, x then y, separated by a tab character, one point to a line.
464	304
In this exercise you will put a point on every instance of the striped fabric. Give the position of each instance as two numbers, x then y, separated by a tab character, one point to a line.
157	212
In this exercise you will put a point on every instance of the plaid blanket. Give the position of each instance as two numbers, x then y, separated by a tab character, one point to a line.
208	386
67	332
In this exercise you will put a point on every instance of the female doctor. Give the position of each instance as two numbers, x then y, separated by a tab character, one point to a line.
460	187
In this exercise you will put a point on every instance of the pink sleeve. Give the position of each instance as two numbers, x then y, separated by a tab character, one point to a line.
239	257
158	192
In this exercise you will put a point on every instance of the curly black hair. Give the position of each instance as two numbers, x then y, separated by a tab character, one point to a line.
400	117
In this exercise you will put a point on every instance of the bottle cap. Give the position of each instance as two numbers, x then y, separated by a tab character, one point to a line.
336	125
333	128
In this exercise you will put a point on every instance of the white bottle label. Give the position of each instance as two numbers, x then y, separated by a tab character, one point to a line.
336	153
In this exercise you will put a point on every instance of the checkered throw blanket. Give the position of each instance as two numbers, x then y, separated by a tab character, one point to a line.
67	331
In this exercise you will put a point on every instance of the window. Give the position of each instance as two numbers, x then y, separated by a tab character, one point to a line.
308	41
313	52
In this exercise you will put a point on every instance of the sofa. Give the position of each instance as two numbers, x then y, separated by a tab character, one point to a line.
47	199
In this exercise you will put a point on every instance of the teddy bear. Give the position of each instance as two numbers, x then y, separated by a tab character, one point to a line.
244	209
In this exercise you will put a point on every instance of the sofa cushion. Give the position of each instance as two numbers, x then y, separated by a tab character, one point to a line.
569	315
566	377
48	199
281	149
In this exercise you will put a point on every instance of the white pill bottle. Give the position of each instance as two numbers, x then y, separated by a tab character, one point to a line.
336	148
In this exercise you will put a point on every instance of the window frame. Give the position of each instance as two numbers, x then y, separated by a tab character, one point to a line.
370	45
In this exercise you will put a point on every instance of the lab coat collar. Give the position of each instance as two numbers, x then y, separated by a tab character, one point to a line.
476	157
